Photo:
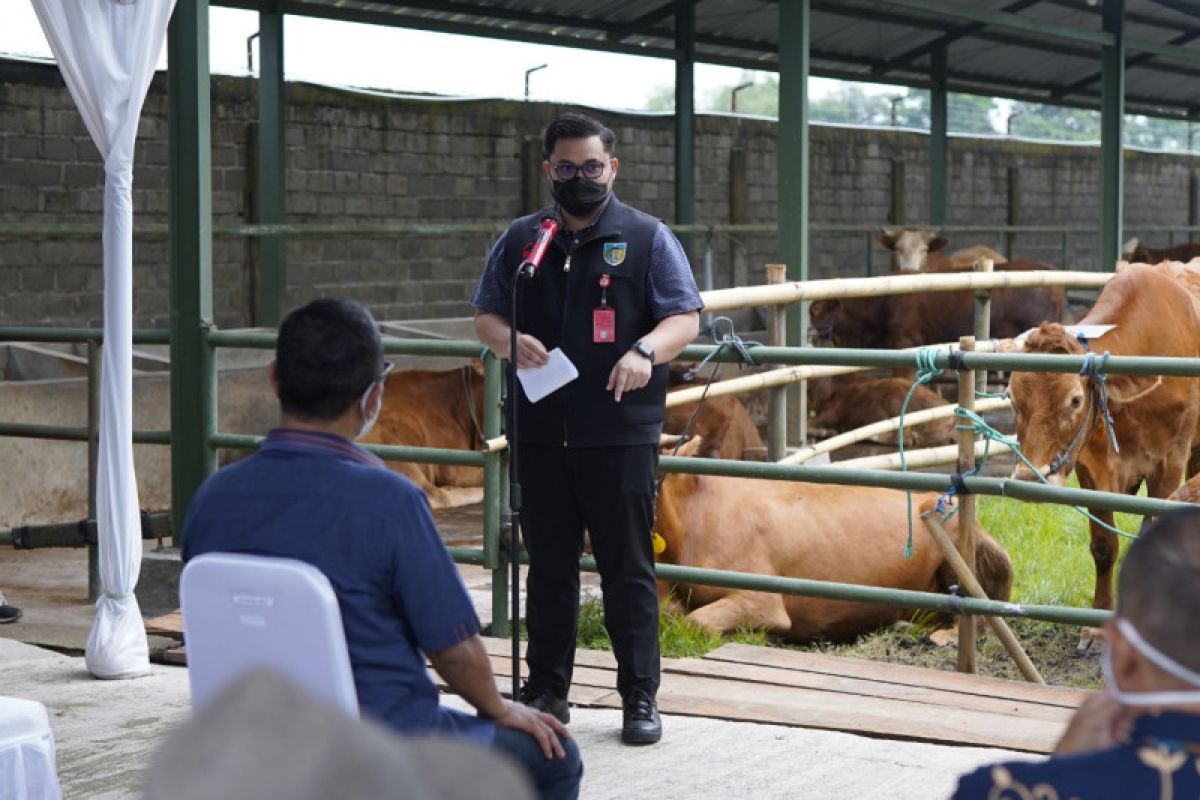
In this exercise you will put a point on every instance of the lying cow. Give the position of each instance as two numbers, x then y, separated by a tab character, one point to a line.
803	530
1156	420
846	402
429	408
1137	252
912	320
919	250
723	423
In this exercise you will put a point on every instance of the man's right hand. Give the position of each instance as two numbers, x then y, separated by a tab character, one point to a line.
530	352
541	726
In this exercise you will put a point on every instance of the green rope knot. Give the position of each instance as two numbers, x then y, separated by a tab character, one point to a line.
927	370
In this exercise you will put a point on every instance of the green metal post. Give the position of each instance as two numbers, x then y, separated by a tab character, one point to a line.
272	169
193	377
492	466
1112	112
93	386
685	156
937	138
792	176
500	592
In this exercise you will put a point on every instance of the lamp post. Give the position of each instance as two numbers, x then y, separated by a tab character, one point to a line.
893	101
733	95
529	72
1008	126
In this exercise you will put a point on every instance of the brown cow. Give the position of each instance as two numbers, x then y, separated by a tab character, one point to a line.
913	320
802	530
1137	252
846	402
919	250
1155	419
723	423
429	408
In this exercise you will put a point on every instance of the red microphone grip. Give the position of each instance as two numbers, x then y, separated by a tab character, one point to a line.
545	234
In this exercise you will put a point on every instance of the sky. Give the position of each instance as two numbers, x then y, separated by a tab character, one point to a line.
371	56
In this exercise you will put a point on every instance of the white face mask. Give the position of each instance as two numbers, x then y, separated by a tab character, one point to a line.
1159	659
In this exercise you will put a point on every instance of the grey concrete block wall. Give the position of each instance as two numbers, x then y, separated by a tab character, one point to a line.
367	158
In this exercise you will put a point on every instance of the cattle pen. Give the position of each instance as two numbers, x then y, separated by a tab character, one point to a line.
797	364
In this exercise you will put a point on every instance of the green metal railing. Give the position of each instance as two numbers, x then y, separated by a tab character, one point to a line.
491	557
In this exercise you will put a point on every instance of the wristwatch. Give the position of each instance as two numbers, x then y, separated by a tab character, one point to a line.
643	349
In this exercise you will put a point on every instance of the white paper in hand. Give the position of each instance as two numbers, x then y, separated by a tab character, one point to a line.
554	374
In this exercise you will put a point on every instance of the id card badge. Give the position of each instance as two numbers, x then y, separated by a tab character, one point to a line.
604	325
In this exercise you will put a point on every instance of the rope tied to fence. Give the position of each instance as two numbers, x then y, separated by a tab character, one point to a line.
979	426
927	370
725	341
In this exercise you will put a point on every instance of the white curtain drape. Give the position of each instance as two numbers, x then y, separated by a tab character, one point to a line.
107	50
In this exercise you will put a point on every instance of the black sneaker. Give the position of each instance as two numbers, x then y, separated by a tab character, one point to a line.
9	614
642	725
547	701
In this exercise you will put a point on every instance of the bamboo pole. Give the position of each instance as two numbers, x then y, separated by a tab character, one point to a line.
765	295
966	507
887	426
918	459
997	624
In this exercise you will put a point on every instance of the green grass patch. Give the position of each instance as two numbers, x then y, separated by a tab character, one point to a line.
678	636
1049	548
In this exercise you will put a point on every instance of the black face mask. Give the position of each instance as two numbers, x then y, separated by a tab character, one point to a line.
579	196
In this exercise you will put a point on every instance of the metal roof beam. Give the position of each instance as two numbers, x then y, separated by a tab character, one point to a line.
465	10
1000	19
642	22
1132	61
1182	6
946	38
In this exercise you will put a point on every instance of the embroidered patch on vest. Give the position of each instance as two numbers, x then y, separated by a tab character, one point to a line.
614	253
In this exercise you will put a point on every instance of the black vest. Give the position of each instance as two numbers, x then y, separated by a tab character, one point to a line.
556	307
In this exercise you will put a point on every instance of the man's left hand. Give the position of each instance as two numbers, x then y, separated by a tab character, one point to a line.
631	372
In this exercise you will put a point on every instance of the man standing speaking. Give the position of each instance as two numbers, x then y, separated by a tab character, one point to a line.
616	293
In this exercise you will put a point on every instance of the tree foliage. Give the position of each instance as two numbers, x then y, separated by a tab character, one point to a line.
852	104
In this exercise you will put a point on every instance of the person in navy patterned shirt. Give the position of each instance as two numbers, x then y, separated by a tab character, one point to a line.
616	293
1140	736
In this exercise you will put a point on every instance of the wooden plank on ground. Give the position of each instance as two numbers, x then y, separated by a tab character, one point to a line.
166	625
931	699
902	674
176	655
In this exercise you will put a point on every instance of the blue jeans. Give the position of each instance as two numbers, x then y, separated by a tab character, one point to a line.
554	778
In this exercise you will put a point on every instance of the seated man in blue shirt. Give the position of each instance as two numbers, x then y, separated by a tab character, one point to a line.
1139	737
312	495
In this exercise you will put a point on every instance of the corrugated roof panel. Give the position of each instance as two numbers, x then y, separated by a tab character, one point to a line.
866	39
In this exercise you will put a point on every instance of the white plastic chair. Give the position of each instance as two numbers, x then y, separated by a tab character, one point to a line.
27	768
243	612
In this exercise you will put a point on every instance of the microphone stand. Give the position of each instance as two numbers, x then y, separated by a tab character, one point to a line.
514	485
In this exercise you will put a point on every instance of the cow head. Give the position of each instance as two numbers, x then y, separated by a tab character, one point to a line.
910	246
1049	408
822	317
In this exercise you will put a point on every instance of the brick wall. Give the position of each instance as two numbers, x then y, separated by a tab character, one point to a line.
362	158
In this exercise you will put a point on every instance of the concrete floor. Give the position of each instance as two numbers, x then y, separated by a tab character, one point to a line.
107	731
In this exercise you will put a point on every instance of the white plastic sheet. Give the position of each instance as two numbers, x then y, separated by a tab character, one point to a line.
107	50
27	768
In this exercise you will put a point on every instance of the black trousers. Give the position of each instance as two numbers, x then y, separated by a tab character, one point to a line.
610	492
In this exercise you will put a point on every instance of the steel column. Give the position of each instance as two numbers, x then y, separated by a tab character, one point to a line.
937	138
193	376
685	111
792	176
272	169
1112	112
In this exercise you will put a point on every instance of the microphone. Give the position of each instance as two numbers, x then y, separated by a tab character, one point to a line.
537	252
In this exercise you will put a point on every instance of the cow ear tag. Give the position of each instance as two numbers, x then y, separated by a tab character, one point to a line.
658	543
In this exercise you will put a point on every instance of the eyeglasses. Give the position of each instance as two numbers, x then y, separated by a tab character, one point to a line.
388	366
565	170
